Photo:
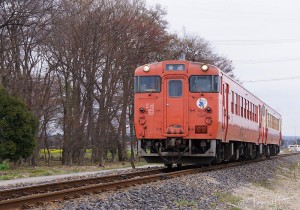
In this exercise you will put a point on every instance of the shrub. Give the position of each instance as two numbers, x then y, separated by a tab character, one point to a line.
18	128
4	165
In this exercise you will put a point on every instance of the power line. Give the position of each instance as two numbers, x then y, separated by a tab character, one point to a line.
267	61
255	42
274	79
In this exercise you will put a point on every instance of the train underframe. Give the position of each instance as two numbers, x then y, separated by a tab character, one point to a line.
200	151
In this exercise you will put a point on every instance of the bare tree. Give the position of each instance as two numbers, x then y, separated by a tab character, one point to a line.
24	26
139	34
73	64
196	49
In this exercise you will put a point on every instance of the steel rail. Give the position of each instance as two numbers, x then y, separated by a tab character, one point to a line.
66	194
42	188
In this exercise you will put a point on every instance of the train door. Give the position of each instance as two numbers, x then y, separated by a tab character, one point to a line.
176	107
263	124
266	125
260	127
225	104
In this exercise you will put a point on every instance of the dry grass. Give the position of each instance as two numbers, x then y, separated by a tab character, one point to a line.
281	192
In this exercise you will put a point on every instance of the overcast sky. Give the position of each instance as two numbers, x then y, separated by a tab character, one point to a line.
261	37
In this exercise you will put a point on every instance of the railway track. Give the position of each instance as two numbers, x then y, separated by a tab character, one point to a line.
35	196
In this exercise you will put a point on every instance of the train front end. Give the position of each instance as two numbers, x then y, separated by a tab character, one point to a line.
176	112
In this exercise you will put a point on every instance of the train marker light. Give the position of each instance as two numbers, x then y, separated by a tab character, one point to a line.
142	109
146	68
204	67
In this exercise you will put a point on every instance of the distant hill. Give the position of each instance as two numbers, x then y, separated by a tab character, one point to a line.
289	138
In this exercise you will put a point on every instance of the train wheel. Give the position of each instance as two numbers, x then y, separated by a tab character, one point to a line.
169	165
179	165
277	150
267	151
258	155
252	152
219	152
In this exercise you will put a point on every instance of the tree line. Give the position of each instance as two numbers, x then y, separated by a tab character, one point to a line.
72	63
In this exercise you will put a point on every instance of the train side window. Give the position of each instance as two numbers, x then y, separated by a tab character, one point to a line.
256	113
266	117
245	108
146	84
259	116
253	112
237	101
242	108
232	102
250	110
175	88
263	110
216	83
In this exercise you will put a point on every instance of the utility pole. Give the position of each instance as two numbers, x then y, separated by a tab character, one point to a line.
296	140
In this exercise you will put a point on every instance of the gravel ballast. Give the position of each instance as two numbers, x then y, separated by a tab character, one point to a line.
18	183
197	191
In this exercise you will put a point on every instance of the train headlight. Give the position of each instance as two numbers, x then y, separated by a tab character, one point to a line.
146	68
204	67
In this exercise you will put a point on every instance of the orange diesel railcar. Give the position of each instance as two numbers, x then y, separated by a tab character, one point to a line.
189	112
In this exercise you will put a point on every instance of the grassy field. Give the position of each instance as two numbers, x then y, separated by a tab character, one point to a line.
55	167
25	171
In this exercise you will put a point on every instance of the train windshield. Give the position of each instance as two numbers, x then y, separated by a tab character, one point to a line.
146	84
208	83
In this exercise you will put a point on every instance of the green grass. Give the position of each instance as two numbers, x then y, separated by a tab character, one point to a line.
185	203
264	183
56	153
213	204
29	172
229	198
55	167
9	176
25	171
5	177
